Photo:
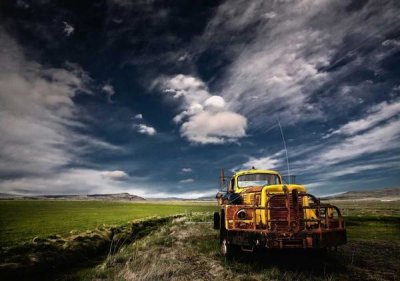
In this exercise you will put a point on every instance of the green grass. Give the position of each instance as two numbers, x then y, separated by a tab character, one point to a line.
367	207
373	228
189	249
21	221
371	220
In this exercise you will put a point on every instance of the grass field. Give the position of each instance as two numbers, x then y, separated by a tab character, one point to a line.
371	220
21	221
184	249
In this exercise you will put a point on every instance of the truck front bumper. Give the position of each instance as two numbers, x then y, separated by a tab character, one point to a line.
305	239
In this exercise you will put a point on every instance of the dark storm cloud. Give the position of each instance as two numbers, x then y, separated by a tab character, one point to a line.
209	80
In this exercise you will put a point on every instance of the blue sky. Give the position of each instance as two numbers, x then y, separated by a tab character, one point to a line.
154	97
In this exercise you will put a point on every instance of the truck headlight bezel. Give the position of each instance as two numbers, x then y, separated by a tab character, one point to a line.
241	214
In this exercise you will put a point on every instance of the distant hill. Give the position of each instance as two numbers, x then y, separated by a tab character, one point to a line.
116	196
207	198
386	193
8	195
108	197
164	198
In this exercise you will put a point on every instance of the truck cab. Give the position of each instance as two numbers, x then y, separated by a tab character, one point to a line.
258	209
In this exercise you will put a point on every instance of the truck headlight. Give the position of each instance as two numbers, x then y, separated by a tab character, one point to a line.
241	214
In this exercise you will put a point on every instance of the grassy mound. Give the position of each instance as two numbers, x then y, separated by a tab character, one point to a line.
44	256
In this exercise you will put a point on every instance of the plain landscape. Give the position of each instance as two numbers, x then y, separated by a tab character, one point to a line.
123	123
174	240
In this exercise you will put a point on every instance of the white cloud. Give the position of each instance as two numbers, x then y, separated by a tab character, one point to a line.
186	181
354	169
331	159
68	29
37	112
115	175
186	170
279	66
220	127
184	57
375	115
72	181
266	163
38	118
263	163
379	139
204	118
189	88
269	15
109	90
214	102
144	129
352	154
192	110
295	60
139	116
395	43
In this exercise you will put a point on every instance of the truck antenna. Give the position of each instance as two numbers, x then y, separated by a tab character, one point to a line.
284	144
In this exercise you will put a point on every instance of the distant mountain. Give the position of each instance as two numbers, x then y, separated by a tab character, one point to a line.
107	197
386	193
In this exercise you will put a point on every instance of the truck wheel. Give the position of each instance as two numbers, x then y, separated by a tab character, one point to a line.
224	247
217	220
228	250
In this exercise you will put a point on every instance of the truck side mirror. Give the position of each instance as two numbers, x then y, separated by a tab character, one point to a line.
231	185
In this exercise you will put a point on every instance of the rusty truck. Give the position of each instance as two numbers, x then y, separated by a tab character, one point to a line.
259	210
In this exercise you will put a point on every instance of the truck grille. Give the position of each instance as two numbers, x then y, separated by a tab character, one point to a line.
284	218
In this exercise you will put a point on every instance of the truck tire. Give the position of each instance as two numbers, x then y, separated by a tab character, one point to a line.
222	229
228	250
217	220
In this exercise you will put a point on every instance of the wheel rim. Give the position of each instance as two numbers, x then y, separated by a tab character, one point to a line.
224	247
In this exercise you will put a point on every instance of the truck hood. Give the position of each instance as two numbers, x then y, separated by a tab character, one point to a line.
276	188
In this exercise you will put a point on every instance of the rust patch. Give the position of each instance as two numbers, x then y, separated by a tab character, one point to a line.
232	210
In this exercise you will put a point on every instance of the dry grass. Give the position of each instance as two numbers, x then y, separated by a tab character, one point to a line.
188	249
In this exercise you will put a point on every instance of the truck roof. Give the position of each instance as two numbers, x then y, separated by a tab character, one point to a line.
255	171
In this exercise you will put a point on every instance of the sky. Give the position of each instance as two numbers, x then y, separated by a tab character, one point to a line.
155	97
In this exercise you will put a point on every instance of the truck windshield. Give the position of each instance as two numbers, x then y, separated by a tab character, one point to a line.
257	180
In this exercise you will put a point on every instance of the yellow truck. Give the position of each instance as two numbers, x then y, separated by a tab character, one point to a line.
259	210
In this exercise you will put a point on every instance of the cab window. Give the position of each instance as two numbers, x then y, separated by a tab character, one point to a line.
257	180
